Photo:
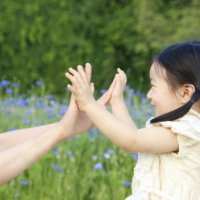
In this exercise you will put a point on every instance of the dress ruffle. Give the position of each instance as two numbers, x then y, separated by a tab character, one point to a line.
188	125
171	176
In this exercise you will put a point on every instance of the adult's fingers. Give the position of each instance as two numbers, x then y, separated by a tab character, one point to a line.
88	71
72	90
122	75
105	98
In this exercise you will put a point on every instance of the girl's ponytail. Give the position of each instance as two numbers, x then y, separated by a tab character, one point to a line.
179	112
182	64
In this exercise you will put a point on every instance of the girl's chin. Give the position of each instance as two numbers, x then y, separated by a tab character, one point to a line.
158	113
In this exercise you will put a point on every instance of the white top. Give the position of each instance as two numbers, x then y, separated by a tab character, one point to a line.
171	176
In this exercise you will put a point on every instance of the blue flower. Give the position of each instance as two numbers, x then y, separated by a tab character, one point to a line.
38	83
69	154
126	183
56	153
50	96
26	121
24	182
4	83
93	131
63	109
9	91
127	87
134	156
16	85
110	151
55	166
133	93
11	129
103	91
58	169
98	166
51	115
22	102
41	106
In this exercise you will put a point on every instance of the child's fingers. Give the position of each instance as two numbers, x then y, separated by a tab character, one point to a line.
74	72
82	73
92	88
78	79
73	79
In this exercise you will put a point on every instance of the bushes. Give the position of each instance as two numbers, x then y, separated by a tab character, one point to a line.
41	39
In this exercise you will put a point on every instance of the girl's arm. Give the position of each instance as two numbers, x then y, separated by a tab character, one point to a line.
124	135
117	102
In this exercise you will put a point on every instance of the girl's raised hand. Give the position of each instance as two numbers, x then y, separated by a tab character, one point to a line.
81	87
120	83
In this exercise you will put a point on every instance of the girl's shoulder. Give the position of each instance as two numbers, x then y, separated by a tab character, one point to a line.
188	125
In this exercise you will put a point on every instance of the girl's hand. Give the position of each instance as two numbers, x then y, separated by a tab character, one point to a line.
119	83
79	121
75	121
80	87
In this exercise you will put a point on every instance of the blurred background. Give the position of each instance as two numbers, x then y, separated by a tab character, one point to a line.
39	40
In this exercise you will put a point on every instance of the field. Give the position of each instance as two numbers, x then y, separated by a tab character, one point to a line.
85	167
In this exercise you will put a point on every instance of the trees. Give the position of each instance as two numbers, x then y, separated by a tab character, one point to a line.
40	39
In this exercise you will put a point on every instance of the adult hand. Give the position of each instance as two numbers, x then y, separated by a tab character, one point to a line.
79	120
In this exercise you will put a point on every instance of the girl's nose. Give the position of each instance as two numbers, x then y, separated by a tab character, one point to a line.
149	94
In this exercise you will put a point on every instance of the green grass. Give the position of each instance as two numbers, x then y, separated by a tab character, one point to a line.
85	167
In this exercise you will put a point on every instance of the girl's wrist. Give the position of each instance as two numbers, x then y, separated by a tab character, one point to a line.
117	102
90	107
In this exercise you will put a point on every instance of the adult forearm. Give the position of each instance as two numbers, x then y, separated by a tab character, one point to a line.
10	139
19	157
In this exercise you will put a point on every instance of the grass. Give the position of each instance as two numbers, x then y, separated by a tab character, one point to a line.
86	167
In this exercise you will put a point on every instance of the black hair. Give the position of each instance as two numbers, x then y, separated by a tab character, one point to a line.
182	64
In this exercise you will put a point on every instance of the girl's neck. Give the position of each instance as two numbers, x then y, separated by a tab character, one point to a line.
196	107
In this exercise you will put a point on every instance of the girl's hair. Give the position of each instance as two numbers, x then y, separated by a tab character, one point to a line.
182	64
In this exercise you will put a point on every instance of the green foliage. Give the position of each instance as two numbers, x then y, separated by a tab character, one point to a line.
41	39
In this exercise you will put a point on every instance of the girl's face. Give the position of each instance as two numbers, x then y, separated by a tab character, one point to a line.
161	95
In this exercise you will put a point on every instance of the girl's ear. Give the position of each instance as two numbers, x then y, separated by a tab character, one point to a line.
186	91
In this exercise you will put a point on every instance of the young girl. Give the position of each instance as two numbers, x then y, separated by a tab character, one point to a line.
23	147
168	165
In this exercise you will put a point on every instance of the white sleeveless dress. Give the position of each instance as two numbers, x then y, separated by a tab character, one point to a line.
171	176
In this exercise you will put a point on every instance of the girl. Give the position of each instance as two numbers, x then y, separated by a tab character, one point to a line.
168	165
21	148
